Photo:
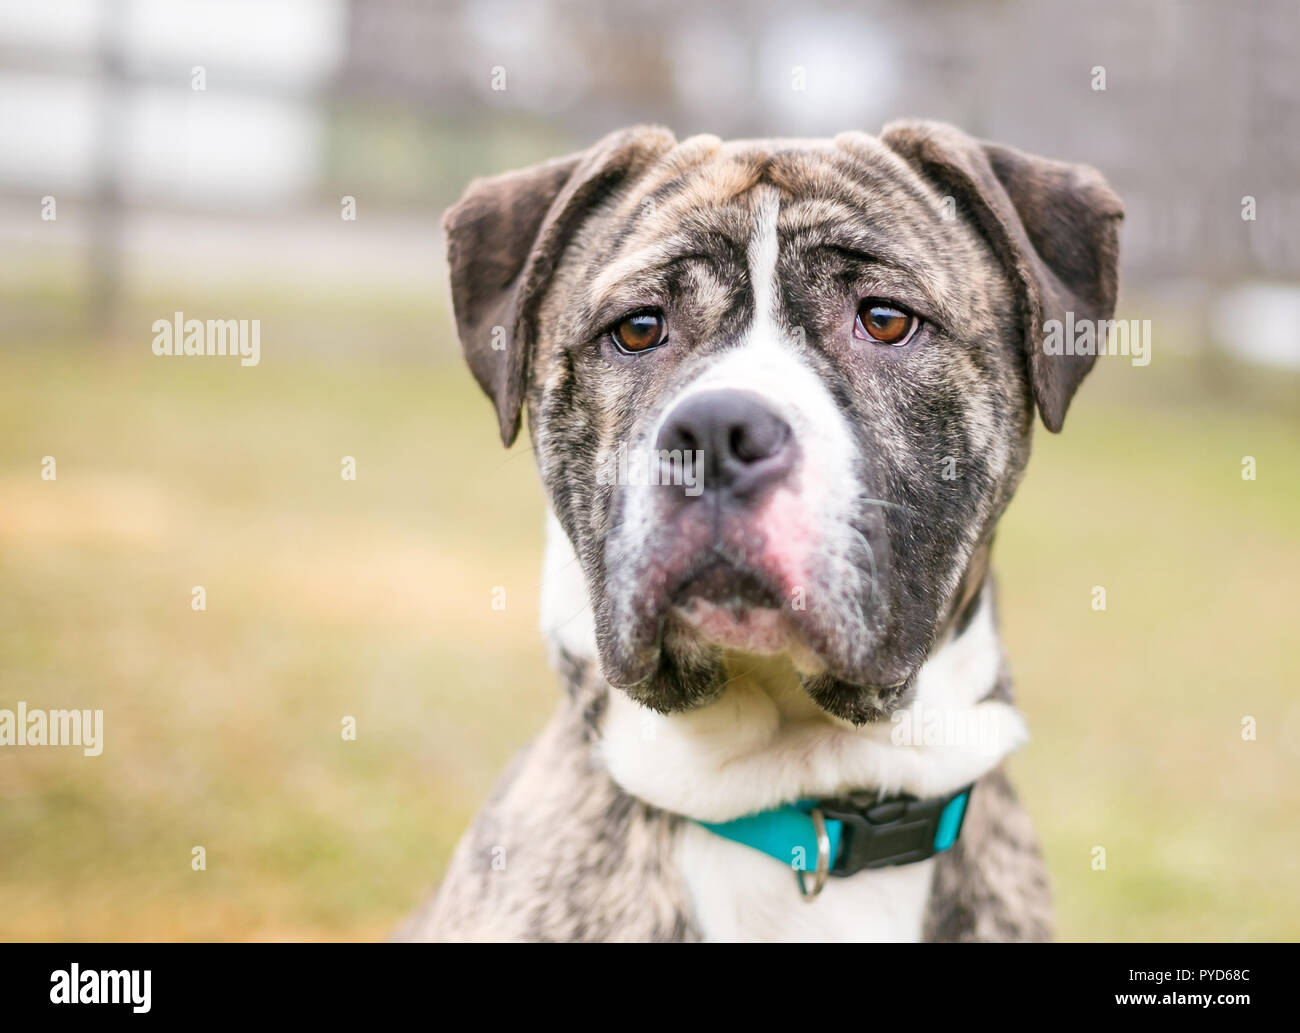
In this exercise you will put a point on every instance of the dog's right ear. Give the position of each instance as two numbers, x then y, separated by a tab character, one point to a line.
504	238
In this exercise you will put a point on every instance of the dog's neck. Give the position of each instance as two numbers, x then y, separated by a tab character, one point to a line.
764	742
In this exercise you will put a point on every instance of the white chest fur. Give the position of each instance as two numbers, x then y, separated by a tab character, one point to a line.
737	893
764	743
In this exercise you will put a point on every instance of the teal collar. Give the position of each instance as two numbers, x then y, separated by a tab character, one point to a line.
841	837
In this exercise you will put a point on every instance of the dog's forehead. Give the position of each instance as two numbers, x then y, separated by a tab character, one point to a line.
703	172
707	196
711	197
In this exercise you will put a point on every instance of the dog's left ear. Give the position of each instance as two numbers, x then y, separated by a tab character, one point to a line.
504	238
1053	225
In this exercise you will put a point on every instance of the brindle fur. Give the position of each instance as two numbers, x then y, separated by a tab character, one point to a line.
542	261
560	853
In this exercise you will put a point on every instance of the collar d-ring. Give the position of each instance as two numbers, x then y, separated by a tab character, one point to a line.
823	858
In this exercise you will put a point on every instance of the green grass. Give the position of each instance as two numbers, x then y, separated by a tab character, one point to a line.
1138	710
371	598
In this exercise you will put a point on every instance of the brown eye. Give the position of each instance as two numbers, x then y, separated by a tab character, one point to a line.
884	323
640	332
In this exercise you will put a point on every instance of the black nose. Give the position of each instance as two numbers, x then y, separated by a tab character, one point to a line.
745	446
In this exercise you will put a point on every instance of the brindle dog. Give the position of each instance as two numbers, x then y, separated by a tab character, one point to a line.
846	338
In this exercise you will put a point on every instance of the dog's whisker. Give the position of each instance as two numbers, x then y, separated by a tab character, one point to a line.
513	454
884	502
585	608
742	674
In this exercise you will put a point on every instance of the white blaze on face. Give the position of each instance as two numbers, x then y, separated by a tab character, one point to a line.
812	550
806	518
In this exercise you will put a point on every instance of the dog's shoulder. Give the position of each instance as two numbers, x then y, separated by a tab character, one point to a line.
560	853
992	884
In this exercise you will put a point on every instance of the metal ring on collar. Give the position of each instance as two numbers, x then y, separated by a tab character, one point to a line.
823	858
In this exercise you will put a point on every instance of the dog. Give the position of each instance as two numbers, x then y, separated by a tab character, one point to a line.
786	703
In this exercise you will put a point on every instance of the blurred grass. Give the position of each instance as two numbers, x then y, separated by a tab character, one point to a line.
371	598
1137	711
325	598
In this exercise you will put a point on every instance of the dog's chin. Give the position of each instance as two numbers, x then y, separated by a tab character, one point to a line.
724	609
724	606
759	630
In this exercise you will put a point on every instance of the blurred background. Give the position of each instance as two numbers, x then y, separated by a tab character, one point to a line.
199	156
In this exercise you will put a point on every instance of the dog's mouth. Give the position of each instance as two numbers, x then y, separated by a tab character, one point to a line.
684	626
727	604
724	584
730	606
715	582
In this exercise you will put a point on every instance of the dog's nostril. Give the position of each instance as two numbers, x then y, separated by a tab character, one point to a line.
758	439
744	444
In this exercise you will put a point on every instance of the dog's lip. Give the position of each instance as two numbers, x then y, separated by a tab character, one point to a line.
670	600
736	606
638	625
721	581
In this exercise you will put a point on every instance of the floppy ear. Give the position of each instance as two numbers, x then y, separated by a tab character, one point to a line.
1053	225
504	238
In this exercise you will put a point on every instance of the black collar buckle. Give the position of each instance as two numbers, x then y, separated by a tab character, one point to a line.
878	833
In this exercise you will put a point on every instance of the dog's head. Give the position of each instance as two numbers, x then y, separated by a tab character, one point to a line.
780	391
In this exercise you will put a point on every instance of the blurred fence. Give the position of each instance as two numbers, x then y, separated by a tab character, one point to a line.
257	113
